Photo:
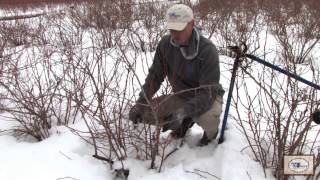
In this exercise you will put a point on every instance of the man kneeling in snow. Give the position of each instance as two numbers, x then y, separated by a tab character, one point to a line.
191	64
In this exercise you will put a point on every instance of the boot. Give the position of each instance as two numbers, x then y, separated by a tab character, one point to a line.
181	132
204	140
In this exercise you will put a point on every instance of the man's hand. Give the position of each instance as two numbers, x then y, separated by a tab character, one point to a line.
135	113
174	120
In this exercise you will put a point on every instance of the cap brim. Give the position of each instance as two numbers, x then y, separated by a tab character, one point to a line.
177	26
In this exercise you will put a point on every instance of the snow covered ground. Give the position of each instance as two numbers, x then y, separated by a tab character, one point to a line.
65	156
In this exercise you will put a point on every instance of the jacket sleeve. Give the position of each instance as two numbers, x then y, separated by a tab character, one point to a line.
209	86
155	76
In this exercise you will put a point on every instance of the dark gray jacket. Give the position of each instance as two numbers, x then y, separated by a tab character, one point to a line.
195	67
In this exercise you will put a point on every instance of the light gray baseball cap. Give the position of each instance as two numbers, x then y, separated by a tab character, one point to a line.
178	16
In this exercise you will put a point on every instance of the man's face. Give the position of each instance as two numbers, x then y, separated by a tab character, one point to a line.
182	37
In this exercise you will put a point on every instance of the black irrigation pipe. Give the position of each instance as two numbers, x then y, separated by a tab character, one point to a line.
241	52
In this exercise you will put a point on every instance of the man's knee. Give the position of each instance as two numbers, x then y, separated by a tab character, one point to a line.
210	120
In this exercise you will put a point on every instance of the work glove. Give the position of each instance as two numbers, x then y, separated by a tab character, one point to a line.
174	119
135	113
316	117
